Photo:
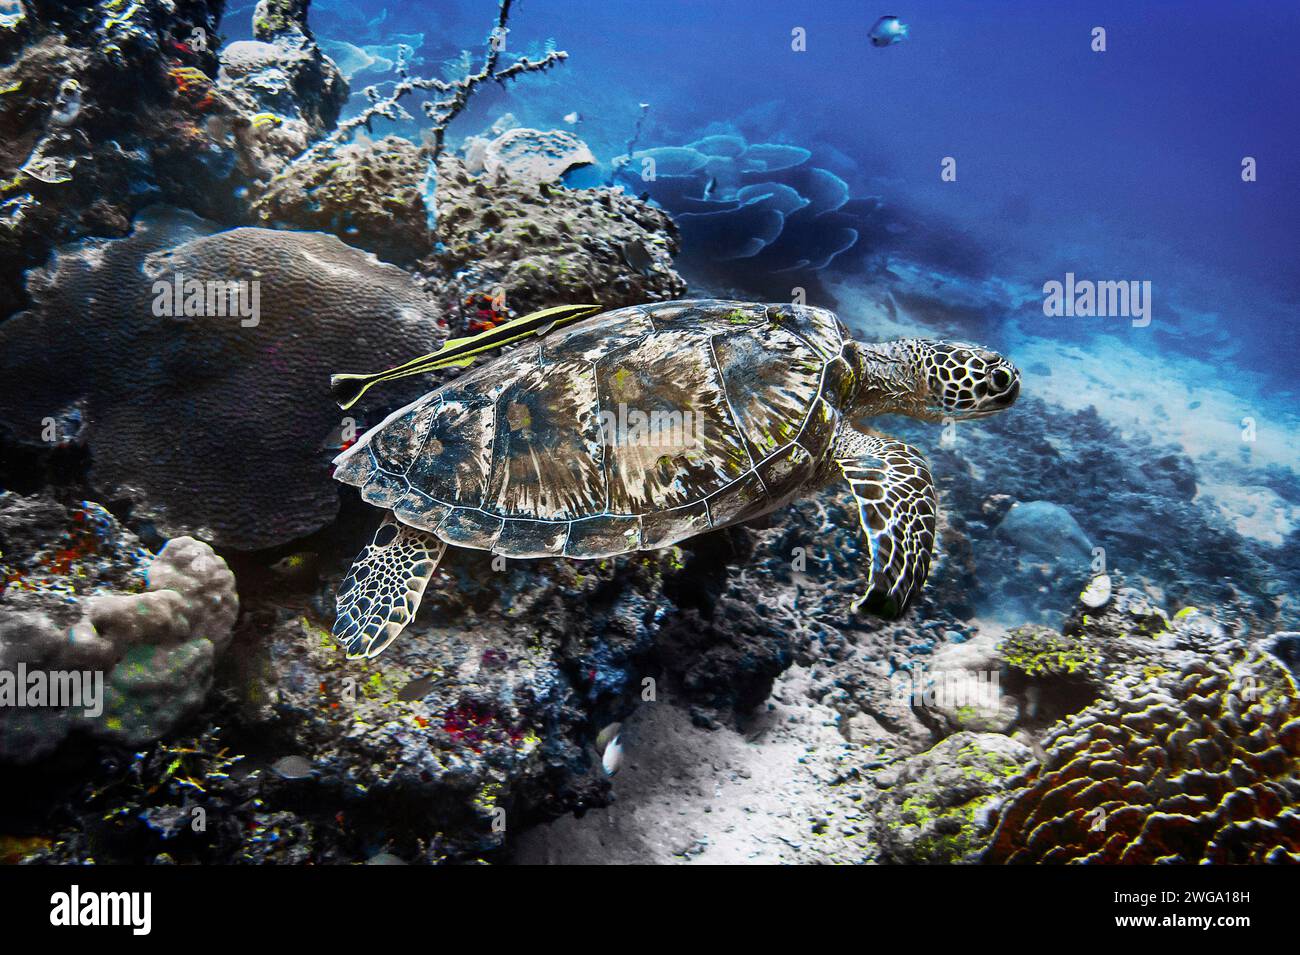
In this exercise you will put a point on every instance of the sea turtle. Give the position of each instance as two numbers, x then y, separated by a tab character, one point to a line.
640	427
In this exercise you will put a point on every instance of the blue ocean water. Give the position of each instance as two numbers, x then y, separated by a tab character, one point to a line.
1117	165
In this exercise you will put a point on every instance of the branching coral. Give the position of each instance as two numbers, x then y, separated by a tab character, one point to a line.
454	96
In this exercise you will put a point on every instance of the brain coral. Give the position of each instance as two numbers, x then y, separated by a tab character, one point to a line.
210	426
1198	766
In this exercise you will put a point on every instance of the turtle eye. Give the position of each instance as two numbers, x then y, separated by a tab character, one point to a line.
1001	379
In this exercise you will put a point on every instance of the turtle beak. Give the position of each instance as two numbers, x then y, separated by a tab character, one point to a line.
1008	397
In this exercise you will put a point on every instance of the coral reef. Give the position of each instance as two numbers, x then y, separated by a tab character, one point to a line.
475	724
1194	766
937	807
82	597
1158	739
755	205
478	723
212	422
109	107
1009	718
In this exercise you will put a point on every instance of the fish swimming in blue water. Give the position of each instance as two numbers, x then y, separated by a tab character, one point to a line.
887	31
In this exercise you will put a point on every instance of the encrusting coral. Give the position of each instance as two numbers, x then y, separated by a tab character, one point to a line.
937	811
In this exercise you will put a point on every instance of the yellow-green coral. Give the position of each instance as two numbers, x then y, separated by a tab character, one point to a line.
1040	651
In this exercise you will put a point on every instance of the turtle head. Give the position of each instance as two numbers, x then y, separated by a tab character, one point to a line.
957	380
931	380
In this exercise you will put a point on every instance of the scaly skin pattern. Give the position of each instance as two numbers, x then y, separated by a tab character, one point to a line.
932	380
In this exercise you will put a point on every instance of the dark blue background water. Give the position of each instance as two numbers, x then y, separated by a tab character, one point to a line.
1117	165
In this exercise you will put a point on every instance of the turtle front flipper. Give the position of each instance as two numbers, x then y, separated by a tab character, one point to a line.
382	591
898	508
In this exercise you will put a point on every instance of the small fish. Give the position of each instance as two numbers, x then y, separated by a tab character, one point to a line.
608	733
574	118
293	767
612	759
417	689
711	187
888	31
67	105
638	256
301	568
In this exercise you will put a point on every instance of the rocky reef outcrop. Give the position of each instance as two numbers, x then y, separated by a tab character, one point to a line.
540	244
524	241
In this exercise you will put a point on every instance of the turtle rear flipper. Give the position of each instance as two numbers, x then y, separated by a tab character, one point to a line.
897	506
382	591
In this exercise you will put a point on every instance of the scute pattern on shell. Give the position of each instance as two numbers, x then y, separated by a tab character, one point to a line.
633	429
